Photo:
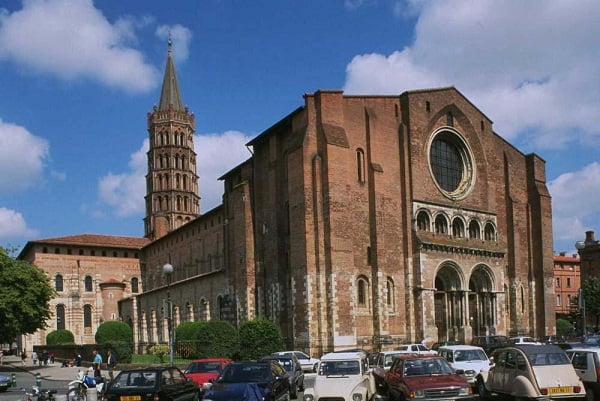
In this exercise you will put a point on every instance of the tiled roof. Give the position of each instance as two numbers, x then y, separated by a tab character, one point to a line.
99	240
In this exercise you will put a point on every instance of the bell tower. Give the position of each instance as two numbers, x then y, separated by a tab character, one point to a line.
171	183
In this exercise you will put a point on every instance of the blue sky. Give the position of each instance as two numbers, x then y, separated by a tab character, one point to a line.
77	78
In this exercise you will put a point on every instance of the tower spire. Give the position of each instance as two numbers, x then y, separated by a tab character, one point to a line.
169	95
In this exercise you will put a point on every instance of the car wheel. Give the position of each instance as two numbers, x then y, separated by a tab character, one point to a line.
483	392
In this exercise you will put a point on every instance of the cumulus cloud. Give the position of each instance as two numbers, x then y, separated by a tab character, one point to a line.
73	40
13	225
539	78
18	173
180	36
216	154
575	201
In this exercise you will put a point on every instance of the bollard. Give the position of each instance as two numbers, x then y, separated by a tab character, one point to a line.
92	394
13	380
38	380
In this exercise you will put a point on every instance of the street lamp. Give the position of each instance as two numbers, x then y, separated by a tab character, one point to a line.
168	270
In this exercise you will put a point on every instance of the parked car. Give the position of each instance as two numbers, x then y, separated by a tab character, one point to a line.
414	376
531	372
467	360
152	384
308	364
490	343
292	366
418	349
381	365
262	380
586	362
439	344
524	340
342	376
203	370
5	383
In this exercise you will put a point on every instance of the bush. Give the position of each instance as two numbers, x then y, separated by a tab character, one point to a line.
564	328
112	331
159	351
122	350
258	338
60	337
185	337
216	339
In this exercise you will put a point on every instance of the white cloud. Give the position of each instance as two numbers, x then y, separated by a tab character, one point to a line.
528	65
17	172
216	154
180	36
12	224
72	40
575	201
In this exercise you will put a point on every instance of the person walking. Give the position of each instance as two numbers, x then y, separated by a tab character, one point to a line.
97	362
34	358
23	357
111	361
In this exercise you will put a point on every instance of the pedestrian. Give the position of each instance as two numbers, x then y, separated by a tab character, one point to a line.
34	358
78	359
23	357
111	361
97	362
1	357
52	355
45	357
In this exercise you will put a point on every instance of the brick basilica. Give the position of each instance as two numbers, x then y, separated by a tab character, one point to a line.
358	221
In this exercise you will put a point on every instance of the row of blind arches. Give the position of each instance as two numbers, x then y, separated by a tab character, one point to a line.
180	162
456	227
177	139
88	284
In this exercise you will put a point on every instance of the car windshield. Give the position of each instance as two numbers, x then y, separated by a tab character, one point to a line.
389	359
135	378
329	368
469	355
204	367
548	359
426	367
246	373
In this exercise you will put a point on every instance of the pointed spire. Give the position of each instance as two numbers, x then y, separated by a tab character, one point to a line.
169	94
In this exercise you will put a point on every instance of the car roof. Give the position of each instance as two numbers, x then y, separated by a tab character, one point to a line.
529	349
459	347
332	356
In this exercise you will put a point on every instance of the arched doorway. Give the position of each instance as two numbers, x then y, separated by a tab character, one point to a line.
482	301
449	300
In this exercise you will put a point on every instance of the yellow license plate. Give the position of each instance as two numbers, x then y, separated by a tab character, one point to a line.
130	398
560	390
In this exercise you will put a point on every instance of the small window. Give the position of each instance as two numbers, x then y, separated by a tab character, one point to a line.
423	221
88	284
60	317
362	288
458	228
449	120
58	283
441	225
489	232
558	282
474	230
360	165
558	303
134	285
568	281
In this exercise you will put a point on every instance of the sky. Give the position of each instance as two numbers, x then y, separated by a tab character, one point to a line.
78	77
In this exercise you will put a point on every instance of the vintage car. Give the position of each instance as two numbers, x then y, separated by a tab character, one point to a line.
467	360
342	376
152	384
586	362
426	377
532	372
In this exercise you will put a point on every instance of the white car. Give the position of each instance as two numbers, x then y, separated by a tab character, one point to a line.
467	360
418	349
308	364
342	376
381	365
524	340
586	362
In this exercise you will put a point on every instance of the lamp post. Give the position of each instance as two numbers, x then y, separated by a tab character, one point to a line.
168	270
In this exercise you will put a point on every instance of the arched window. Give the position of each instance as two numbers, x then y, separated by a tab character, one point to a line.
177	181
60	317
87	319
360	165
423	221
441	224
58	283
182	140
221	307
458	228
474	230
362	289
134	285
489	232
185	182
88	284
179	203
391	294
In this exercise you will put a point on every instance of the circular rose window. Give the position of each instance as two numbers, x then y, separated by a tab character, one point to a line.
451	164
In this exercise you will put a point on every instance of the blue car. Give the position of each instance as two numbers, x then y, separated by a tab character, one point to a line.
250	381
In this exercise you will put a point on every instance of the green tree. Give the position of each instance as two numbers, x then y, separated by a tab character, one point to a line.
60	337
564	328
591	296
258	338
25	294
217	339
114	331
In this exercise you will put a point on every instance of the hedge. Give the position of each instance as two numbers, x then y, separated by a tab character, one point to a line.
114	331
259	337
57	337
216	339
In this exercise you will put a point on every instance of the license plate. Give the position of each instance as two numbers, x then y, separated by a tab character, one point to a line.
560	390
130	398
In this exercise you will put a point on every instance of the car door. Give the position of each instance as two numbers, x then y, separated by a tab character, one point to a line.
178	386
280	387
495	380
583	362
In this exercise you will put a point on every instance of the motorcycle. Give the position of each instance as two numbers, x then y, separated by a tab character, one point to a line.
78	387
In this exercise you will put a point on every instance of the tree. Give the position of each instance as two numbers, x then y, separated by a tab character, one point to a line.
591	296
564	328
114	331
25	294
60	337
259	337
217	339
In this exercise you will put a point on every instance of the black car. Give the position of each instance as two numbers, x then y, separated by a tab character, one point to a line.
152	384
292	366
263	380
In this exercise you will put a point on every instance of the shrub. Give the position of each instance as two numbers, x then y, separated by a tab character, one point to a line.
185	337
122	351
217	339
564	328
112	331
259	337
60	337
159	351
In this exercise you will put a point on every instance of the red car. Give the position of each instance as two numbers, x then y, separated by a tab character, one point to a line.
202	370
